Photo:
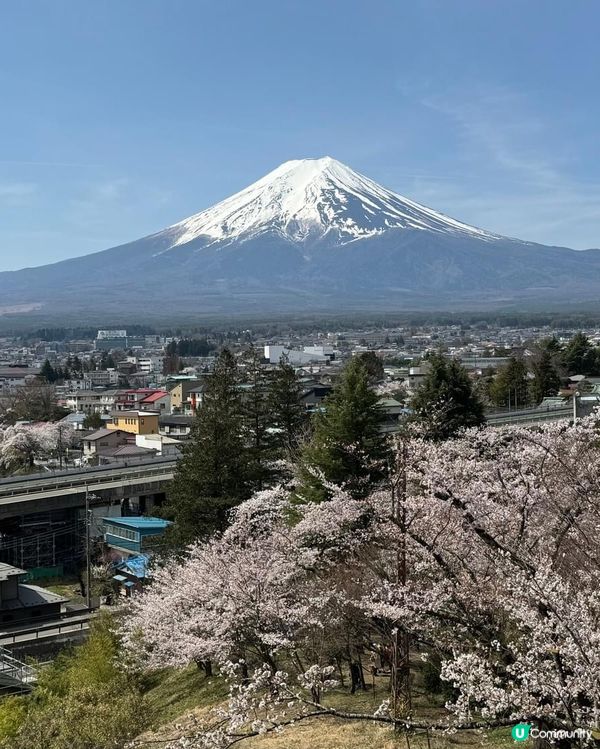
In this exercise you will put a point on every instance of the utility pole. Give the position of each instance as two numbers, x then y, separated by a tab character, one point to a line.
60	447
575	394
401	696
88	572
88	561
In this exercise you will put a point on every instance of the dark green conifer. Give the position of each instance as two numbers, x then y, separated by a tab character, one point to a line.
347	447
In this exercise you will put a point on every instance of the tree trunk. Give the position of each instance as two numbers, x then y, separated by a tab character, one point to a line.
206	666
357	677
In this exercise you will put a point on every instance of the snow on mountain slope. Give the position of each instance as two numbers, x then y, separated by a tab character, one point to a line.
309	199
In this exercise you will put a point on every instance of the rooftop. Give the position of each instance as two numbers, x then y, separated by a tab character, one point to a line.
7	570
138	522
155	396
123	414
136	565
159	438
101	433
32	595
127	451
176	419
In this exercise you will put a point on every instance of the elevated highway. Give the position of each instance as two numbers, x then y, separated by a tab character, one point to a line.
67	489
528	416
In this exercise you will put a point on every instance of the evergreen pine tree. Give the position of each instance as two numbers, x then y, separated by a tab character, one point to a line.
445	402
545	377
347	447
287	412
257	420
552	345
373	364
213	474
580	357
510	388
47	372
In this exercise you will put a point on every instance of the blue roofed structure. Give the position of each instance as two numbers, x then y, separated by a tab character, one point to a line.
131	574
133	535
135	566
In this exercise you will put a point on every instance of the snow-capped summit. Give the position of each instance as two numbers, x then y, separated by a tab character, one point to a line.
308	199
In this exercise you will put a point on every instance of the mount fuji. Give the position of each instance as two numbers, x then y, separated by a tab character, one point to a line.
312	235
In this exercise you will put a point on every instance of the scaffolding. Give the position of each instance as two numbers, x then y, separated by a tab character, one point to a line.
43	543
15	676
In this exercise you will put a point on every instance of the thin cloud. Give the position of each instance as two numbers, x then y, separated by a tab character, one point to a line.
526	187
17	189
70	164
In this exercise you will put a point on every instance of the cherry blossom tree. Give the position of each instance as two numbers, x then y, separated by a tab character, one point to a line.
21	444
483	552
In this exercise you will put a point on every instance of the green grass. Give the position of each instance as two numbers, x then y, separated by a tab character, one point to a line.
67	586
172	692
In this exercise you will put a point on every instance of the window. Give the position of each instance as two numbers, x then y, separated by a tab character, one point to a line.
126	533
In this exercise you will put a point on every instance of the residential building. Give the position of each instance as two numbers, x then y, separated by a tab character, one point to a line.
21	602
13	376
130	399
176	426
91	401
136	422
101	378
126	453
194	399
312	396
75	420
179	388
159	400
147	364
103	441
416	375
392	412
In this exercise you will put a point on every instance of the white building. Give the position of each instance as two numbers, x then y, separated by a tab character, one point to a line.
164	446
326	350
273	355
91	401
147	364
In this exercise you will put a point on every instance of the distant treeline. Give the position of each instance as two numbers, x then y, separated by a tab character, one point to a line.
190	347
81	333
247	328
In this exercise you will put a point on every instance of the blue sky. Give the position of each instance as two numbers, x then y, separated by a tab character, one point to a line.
121	117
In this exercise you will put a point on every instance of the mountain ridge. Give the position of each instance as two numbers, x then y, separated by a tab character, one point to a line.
315	233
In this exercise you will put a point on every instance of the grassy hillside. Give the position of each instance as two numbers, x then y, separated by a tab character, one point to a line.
176	697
